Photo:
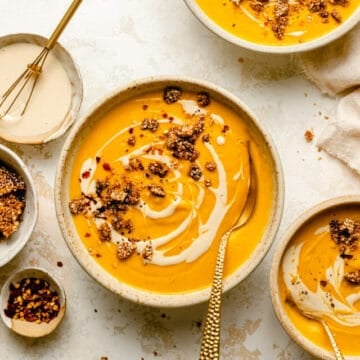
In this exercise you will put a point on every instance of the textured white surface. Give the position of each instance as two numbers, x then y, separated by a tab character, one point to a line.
114	42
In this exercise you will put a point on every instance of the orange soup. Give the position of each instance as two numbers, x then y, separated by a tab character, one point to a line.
278	22
320	275
156	183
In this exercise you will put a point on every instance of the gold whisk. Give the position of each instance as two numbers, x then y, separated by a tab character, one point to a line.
23	87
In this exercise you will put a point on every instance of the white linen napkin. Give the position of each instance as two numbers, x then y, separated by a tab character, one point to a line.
335	69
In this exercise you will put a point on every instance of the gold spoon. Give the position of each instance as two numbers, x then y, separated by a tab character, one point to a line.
210	344
337	351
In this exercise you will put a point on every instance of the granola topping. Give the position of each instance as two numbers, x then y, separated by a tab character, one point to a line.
31	299
144	186
309	135
172	94
147	252
336	16
149	124
278	14
104	232
195	172
156	190
203	99
126	249
353	277
210	165
12	201
158	168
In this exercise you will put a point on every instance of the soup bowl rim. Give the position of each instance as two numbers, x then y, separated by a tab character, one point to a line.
78	248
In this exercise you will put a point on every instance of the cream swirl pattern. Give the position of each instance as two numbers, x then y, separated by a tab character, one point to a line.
192	198
320	303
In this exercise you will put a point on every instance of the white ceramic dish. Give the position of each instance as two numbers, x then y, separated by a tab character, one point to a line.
61	125
287	49
30	329
12	246
295	334
62	191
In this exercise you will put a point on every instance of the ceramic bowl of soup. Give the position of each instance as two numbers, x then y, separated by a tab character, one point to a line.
277	26
152	177
316	270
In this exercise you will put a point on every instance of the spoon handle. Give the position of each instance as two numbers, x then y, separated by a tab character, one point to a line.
210	344
337	351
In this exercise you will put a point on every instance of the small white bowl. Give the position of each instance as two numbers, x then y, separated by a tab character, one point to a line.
272	49
60	125
294	333
65	219
32	329
10	247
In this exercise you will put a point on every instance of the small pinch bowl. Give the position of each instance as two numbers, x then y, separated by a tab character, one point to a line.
62	180
10	247
342	29
73	74
334	204
32	329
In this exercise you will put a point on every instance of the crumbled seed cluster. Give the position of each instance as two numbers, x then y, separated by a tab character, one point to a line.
12	201
283	9
31	299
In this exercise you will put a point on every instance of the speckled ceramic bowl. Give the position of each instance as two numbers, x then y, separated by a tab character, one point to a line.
62	197
296	335
284	49
11	246
31	329
60	125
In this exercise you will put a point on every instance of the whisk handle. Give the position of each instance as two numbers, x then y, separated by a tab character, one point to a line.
62	24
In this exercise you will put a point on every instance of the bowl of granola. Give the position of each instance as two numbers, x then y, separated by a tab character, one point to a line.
19	205
152	177
33	302
316	271
277	26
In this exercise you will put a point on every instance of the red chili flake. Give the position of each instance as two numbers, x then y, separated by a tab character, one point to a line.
59	264
323	282
171	118
145	107
131	130
85	174
106	166
165	115
98	158
141	135
225	128
87	234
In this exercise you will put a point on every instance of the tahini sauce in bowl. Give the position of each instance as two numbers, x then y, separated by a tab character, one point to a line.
57	95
